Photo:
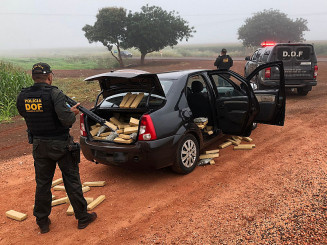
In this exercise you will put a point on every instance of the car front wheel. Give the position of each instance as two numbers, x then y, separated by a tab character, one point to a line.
187	155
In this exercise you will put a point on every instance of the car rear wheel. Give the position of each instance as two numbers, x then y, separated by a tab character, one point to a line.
187	155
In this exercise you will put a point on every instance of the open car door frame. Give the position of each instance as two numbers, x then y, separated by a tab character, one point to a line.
272	102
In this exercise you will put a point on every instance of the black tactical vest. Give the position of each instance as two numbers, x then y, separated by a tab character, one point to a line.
36	106
224	62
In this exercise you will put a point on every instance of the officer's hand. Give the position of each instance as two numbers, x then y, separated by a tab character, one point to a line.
74	109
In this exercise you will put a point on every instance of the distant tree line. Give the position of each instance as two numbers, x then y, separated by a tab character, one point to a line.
271	25
149	30
153	29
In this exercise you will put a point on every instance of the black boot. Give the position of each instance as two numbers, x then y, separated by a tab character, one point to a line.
44	226
85	222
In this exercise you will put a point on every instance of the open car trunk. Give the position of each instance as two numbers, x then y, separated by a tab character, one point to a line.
127	96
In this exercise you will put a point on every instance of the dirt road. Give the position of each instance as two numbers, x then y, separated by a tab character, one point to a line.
274	194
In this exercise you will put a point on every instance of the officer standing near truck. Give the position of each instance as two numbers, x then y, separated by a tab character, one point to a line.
48	119
224	61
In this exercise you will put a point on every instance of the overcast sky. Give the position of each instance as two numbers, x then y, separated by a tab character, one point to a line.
30	24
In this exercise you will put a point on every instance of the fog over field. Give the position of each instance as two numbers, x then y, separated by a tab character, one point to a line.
32	24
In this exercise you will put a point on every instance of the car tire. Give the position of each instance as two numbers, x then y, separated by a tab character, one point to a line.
302	92
187	155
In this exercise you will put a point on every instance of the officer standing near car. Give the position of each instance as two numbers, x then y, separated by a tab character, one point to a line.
224	61
48	119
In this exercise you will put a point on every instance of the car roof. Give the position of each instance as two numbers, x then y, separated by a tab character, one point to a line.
174	75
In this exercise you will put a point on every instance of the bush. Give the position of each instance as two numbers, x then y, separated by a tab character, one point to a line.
12	80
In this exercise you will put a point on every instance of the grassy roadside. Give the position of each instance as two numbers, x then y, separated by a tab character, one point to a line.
64	63
100	58
12	80
78	89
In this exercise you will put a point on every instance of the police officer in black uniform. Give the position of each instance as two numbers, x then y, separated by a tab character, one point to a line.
48	119
224	61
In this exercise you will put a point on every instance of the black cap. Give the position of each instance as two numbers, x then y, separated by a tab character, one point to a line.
224	50
41	68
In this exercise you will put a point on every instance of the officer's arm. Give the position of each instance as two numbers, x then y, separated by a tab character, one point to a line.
65	115
217	62
231	61
18	108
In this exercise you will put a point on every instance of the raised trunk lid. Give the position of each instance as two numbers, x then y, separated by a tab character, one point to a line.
128	80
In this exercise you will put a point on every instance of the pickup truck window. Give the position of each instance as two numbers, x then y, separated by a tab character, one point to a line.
227	86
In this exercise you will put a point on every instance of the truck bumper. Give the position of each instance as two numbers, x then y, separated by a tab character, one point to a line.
291	83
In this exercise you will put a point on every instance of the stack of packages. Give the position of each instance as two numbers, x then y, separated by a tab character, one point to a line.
202	122
131	100
91	202
236	141
207	158
124	133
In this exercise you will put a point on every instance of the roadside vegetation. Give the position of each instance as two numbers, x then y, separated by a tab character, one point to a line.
78	89
12	80
98	57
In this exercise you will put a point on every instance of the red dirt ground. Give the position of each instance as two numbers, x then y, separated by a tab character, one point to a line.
273	194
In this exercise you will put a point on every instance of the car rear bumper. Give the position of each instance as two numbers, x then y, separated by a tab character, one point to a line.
151	154
291	83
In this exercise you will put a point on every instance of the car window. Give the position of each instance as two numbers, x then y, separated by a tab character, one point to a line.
166	85
265	57
284	53
254	56
115	100
227	85
303	53
196	79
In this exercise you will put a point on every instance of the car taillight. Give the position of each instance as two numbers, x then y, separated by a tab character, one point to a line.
268	72
147	130
315	74
82	125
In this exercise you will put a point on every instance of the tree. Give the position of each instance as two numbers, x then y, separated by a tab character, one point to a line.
153	28
271	25
109	29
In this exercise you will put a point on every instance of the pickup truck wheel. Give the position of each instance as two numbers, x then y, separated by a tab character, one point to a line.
302	92
254	126
187	156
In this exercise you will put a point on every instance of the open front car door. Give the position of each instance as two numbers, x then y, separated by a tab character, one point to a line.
235	102
272	99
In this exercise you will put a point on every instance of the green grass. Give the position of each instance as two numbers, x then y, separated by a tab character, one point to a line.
78	89
65	63
12	80
100	58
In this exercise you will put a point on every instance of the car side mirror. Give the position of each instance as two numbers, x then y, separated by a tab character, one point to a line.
247	58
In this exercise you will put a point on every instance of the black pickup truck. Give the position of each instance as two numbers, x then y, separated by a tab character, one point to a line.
300	65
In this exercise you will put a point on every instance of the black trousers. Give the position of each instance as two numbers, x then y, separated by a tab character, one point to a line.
46	153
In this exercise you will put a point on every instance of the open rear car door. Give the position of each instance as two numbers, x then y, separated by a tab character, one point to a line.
273	99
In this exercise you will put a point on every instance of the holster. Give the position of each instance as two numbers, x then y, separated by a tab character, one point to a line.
29	136
75	150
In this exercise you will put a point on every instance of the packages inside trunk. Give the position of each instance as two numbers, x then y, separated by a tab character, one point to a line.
124	128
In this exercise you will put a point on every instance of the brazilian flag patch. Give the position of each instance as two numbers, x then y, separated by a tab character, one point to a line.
33	105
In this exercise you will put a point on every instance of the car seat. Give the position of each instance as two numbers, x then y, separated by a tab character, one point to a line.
199	102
